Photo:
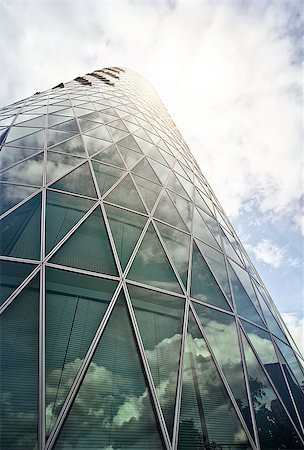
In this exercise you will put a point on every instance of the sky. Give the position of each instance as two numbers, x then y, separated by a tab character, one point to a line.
229	73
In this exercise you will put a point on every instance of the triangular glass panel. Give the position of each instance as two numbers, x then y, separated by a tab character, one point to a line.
154	153
110	156
94	145
151	265
142	134
100	133
116	133
63	211
161	340
201	230
31	121
216	262
149	191
263	345
130	143
79	181
73	146
169	158
292	361
19	133
59	164
161	171
144	169
11	195
200	202
186	185
125	194
53	119
230	251
55	137
203	284
106	176
207	418
131	126
243	304
75	305
20	231
184	208
69	126
221	332
175	186
106	118
274	427
87	125
28	171
11	155
130	157
19	370
12	275
178	246
88	248
126	228
167	212
120	125
113	399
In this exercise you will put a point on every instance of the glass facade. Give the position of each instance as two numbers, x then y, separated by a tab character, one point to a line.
131	316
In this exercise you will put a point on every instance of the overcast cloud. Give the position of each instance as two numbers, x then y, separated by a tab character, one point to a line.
229	73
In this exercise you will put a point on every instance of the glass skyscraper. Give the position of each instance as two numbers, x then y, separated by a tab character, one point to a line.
131	316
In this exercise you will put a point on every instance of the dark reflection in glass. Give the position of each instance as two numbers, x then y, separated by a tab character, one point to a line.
292	361
112	408
79	181
208	419
222	336
160	321
88	247
12	194
12	275
62	213
20	231
274	427
27	172
126	228
75	305
203	284
19	374
151	265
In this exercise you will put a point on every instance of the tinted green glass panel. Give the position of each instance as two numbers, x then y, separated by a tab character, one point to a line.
62	213
111	156
208	418
12	274
19	371
88	247
126	228
245	280
203	284
263	345
27	172
12	194
125	194
221	333
59	164
216	261
201	230
149	191
178	246
151	265
243	303
184	208
274	427
20	231
106	176
144	169
292	361
112	408
73	146
167	212
160	321
79	181
130	157
75	305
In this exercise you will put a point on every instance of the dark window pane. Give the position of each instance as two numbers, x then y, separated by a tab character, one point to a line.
112	408
59	164
106	176
12	274
79	181
12	194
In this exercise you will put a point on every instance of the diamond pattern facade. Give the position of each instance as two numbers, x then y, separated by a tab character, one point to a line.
131	316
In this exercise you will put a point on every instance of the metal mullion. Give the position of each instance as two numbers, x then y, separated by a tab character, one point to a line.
73	194
222	376
72	230
139	213
173	226
139	241
209	305
155	289
112	243
271	383
81	372
287	384
19	289
82	271
148	374
83	161
34	262
242	354
9	211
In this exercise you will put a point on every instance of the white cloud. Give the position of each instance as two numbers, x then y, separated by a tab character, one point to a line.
273	255
296	327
